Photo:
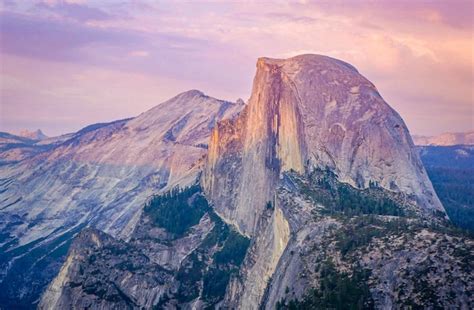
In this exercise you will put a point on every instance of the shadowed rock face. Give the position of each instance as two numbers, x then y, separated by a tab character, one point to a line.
100	176
317	170
307	112
98	168
159	268
98	273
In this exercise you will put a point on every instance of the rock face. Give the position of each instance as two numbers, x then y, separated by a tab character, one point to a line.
100	177
80	284
446	139
162	266
387	261
318	200
307	112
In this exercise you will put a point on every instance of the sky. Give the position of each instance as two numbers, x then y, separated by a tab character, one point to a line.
68	64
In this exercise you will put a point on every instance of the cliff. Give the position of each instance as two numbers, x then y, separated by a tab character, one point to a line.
304	113
101	176
314	198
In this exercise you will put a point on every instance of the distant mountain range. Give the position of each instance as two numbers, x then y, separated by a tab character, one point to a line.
99	176
33	135
451	170
445	139
28	138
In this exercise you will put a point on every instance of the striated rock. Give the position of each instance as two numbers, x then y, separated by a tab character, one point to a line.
307	112
157	268
16	148
101	176
97	275
317	171
397	260
246	291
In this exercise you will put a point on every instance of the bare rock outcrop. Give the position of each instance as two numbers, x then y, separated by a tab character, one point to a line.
100	176
308	112
305	113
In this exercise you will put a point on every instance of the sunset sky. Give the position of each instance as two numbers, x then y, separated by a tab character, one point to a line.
67	64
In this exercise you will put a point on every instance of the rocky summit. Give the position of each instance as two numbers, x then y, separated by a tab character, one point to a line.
100	176
305	113
310	196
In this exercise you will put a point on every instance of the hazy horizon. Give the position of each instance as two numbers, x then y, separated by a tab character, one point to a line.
20	130
67	64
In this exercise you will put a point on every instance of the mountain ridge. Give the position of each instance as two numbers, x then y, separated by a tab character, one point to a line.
36	135
446	139
307	113
292	123
100	176
259	206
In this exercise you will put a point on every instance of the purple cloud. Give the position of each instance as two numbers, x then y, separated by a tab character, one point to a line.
39	37
75	11
61	40
417	53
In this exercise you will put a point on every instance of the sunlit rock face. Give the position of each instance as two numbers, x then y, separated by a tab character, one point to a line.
246	290
102	176
116	165
307	112
307	116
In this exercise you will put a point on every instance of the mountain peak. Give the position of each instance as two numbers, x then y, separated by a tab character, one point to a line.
33	135
192	93
306	113
304	60
240	101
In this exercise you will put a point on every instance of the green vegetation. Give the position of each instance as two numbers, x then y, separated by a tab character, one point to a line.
336	291
234	249
451	170
269	205
339	197
215	283
226	262
178	210
356	201
218	234
230	248
218	257
455	189
371	217
189	276
359	231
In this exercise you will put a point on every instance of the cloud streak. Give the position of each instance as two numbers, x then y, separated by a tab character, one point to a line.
419	54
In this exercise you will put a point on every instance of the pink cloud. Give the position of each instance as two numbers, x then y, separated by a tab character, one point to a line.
419	54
